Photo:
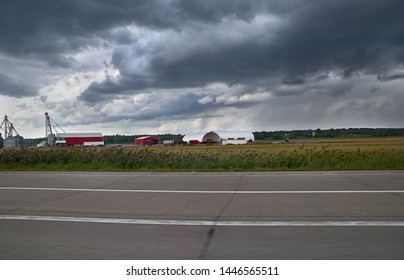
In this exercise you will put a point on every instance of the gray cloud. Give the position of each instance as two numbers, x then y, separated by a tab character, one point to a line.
384	78
11	87
46	28
316	38
293	81
322	77
188	58
348	73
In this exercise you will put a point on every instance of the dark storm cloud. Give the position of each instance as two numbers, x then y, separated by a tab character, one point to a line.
293	81
347	73
384	78
318	34
209	51
322	77
312	38
48	28
11	87
57	26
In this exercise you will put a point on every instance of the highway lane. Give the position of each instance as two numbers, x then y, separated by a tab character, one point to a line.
280	215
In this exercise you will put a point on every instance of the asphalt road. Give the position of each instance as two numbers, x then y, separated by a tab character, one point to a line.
294	215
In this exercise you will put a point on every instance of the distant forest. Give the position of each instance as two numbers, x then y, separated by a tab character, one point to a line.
266	135
328	133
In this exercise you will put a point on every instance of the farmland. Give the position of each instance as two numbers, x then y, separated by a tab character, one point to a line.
317	154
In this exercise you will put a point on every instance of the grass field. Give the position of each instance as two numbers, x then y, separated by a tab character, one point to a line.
318	154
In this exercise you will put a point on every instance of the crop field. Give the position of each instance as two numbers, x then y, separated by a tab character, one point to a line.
318	154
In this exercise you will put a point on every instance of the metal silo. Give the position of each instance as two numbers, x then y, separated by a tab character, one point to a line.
10	141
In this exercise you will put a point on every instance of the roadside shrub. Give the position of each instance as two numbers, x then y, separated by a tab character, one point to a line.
217	158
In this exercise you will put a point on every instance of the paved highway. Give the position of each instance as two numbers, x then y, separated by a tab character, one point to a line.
280	215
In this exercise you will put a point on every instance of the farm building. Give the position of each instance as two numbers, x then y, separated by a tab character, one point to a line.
68	139
75	139
147	141
219	137
172	142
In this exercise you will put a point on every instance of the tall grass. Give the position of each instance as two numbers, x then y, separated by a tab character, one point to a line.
204	158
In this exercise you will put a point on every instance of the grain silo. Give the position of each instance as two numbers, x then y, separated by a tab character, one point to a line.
10	140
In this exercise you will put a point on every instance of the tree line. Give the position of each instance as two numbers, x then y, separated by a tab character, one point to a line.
328	133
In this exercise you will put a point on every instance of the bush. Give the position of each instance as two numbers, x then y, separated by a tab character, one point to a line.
215	158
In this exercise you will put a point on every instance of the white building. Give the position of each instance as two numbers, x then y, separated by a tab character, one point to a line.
220	137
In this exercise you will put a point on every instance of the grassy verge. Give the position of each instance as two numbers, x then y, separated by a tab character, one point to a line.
365	155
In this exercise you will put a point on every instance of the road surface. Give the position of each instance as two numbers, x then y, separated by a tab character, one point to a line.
280	215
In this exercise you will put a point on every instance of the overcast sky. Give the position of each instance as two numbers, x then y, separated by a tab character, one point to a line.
167	66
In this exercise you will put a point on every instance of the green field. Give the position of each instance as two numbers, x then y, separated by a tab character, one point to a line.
318	154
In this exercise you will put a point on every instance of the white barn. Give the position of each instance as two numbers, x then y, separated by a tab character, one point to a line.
220	137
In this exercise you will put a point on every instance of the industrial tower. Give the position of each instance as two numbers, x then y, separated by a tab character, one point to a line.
10	140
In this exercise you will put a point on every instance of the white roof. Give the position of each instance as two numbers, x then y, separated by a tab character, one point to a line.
64	135
220	134
193	136
144	137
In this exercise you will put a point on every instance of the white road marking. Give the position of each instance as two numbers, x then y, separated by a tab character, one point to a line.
209	223
201	192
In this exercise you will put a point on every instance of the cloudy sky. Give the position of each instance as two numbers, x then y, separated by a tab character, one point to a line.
170	66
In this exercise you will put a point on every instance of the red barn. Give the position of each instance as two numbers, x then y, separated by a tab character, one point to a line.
75	139
147	140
